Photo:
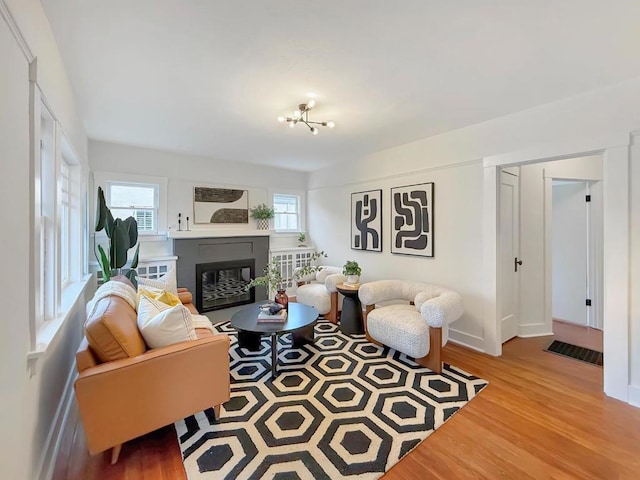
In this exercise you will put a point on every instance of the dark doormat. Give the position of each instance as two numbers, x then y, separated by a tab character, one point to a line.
573	351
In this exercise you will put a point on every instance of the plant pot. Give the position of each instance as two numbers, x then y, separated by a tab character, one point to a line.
353	279
263	224
282	298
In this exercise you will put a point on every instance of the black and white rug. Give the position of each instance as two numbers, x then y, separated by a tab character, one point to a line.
341	407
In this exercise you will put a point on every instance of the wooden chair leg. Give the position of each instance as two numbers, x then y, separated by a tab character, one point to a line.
332	316
367	309
115	453
433	361
216	412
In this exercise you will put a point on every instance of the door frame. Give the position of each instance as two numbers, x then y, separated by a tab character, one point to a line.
616	246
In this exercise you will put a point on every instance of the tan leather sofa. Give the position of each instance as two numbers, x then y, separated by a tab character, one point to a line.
125	390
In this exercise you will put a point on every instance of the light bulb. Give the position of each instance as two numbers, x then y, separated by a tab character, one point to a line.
292	124
331	124
314	131
296	114
281	119
311	103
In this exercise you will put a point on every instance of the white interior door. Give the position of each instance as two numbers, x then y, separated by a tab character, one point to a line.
570	252
509	251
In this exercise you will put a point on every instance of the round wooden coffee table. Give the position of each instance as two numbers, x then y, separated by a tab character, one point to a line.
300	322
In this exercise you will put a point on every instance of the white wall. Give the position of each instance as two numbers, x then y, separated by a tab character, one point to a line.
183	172
613	111
31	394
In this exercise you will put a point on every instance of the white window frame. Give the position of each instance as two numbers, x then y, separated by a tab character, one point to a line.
301	198
59	186
103	178
155	209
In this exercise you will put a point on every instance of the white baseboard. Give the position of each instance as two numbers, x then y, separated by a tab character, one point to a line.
466	340
534	330
536	334
634	395
47	461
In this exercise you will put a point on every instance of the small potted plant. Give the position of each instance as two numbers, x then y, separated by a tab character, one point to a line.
353	271
301	239
272	279
263	214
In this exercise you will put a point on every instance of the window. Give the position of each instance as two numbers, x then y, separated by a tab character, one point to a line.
58	229
287	210
65	222
138	200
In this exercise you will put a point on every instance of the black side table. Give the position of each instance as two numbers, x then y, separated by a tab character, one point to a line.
351	316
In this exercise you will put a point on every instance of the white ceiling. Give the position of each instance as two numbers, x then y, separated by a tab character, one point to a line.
209	77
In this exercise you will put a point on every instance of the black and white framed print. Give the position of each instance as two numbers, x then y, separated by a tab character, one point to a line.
366	220
220	205
412	220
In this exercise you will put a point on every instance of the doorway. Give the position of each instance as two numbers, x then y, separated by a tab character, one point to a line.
616	245
550	247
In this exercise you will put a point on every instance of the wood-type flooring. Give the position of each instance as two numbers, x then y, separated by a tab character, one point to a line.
541	417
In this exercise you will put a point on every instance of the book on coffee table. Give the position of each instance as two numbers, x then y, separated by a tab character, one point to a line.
266	317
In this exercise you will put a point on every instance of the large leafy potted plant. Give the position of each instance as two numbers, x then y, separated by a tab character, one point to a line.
123	235
263	214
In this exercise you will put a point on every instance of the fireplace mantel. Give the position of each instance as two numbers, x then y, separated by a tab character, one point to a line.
218	233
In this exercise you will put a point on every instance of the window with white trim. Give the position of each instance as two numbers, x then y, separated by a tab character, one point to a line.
59	228
287	212
138	200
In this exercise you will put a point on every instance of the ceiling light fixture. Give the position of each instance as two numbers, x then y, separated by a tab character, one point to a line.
301	114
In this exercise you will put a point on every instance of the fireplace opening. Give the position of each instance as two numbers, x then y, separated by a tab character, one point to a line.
223	284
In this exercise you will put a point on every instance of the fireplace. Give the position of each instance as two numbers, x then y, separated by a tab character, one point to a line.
197	255
223	284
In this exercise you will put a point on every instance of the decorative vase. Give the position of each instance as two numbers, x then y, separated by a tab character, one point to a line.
282	298
353	279
263	224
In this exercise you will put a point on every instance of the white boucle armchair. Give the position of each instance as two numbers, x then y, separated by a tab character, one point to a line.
418	328
318	289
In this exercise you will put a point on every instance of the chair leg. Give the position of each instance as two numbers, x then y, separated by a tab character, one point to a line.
365	314
115	453
332	316
433	361
216	412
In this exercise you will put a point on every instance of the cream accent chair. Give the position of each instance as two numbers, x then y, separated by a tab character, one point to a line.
318	289
417	327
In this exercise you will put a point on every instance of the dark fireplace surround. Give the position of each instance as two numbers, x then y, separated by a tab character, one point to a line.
197	256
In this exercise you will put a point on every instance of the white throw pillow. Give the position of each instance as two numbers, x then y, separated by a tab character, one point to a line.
166	282
162	325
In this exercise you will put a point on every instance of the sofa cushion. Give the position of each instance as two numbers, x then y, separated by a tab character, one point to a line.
315	295
167	282
162	325
400	327
163	296
112	330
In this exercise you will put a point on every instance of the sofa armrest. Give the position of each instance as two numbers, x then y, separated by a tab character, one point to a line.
443	309
126	398
332	280
309	277
185	297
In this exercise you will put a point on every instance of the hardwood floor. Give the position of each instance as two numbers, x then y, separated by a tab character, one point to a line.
586	337
542	416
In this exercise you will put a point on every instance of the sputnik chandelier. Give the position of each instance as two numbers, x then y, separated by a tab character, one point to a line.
301	115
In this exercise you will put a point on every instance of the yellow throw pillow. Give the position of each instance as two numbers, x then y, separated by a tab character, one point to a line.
163	296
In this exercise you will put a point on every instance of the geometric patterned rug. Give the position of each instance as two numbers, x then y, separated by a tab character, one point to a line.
339	408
